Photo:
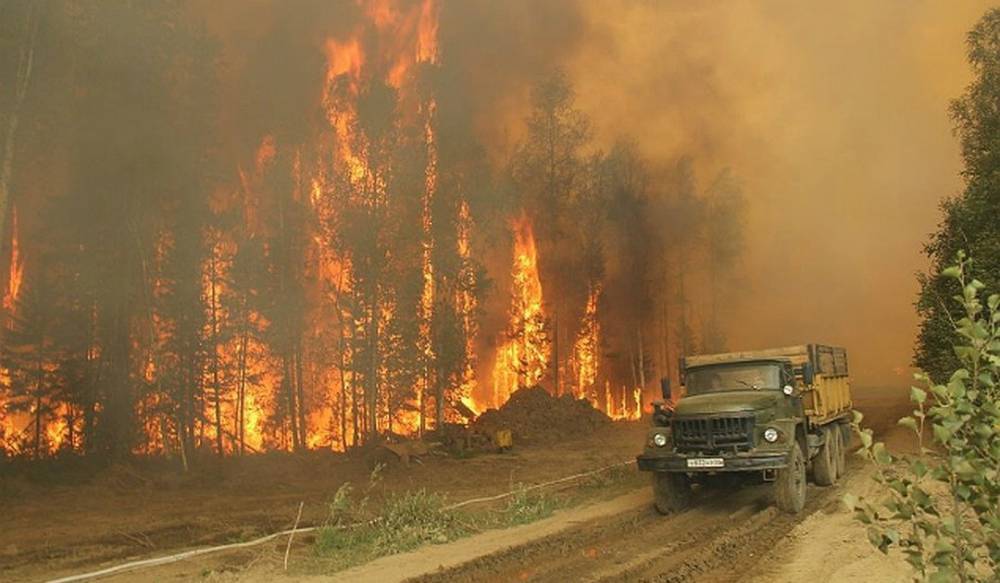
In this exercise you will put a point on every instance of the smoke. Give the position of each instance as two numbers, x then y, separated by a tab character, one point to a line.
835	120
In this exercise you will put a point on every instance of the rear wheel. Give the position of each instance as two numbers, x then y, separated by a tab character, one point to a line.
825	462
841	451
671	492
790	485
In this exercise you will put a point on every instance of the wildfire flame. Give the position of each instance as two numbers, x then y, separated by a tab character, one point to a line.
523	359
16	275
585	358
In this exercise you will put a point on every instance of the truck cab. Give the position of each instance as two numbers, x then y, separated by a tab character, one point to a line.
742	412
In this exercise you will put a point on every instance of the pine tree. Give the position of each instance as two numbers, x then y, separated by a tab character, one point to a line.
30	356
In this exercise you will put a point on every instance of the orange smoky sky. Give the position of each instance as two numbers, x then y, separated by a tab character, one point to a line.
835	118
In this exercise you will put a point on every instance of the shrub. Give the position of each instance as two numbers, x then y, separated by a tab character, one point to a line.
941	505
524	506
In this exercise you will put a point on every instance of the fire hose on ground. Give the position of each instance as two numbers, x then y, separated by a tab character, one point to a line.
156	561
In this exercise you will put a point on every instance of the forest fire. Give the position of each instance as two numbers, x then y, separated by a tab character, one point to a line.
523	359
335	289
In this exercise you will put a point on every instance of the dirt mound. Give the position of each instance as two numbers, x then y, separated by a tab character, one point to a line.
533	415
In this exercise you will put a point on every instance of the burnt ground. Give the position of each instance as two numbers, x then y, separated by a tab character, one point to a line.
126	513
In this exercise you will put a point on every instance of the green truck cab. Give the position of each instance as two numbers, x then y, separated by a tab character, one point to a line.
772	414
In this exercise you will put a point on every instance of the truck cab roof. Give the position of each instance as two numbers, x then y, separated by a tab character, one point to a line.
748	360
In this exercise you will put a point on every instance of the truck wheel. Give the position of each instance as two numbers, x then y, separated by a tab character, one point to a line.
790	485
841	452
671	492
825	462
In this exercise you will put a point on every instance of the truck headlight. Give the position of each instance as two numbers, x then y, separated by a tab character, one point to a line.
770	435
660	440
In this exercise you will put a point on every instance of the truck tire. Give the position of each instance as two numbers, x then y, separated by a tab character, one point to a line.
671	492
825	462
790	485
841	451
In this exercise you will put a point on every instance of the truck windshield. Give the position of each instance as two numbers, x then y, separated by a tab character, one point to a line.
733	377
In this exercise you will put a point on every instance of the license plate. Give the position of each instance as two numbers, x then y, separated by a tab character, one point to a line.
706	462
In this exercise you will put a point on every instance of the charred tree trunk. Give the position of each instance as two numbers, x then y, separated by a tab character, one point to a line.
241	385
115	422
22	81
342	369
215	358
287	386
438	400
300	393
371	400
642	359
555	350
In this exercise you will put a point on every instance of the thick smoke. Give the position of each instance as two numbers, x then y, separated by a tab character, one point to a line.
834	118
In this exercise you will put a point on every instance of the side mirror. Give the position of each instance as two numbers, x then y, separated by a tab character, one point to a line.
808	374
665	388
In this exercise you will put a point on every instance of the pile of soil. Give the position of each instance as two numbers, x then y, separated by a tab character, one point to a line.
533	415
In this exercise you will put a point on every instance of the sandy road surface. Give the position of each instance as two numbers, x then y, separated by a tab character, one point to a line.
730	535
727	536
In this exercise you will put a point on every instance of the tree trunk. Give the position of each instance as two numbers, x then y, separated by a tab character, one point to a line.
667	358
555	350
342	366
301	393
371	400
642	359
287	385
22	81
215	358
38	424
422	399
241	385
438	401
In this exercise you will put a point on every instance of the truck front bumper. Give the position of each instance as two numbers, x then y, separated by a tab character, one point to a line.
741	462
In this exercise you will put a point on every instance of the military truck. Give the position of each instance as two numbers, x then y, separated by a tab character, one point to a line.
776	415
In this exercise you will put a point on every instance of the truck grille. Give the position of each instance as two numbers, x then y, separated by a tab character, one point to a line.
710	434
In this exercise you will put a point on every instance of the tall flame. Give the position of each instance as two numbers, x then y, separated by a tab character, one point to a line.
16	275
585	358
523	359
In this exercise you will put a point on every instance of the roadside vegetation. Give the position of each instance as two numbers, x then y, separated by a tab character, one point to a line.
363	526
940	506
969	220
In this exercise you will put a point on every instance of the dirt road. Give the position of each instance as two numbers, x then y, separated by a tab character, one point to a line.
727	537
730	535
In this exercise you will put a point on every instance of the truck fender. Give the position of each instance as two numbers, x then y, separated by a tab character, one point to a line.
791	427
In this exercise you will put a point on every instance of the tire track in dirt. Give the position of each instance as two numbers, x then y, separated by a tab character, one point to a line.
720	539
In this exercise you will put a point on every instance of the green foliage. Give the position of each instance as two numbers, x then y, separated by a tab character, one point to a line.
970	219
407	520
941	505
525	506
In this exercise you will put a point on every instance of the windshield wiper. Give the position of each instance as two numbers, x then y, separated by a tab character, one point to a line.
747	385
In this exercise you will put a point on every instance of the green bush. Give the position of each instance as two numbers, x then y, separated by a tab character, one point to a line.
406	521
941	505
524	506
